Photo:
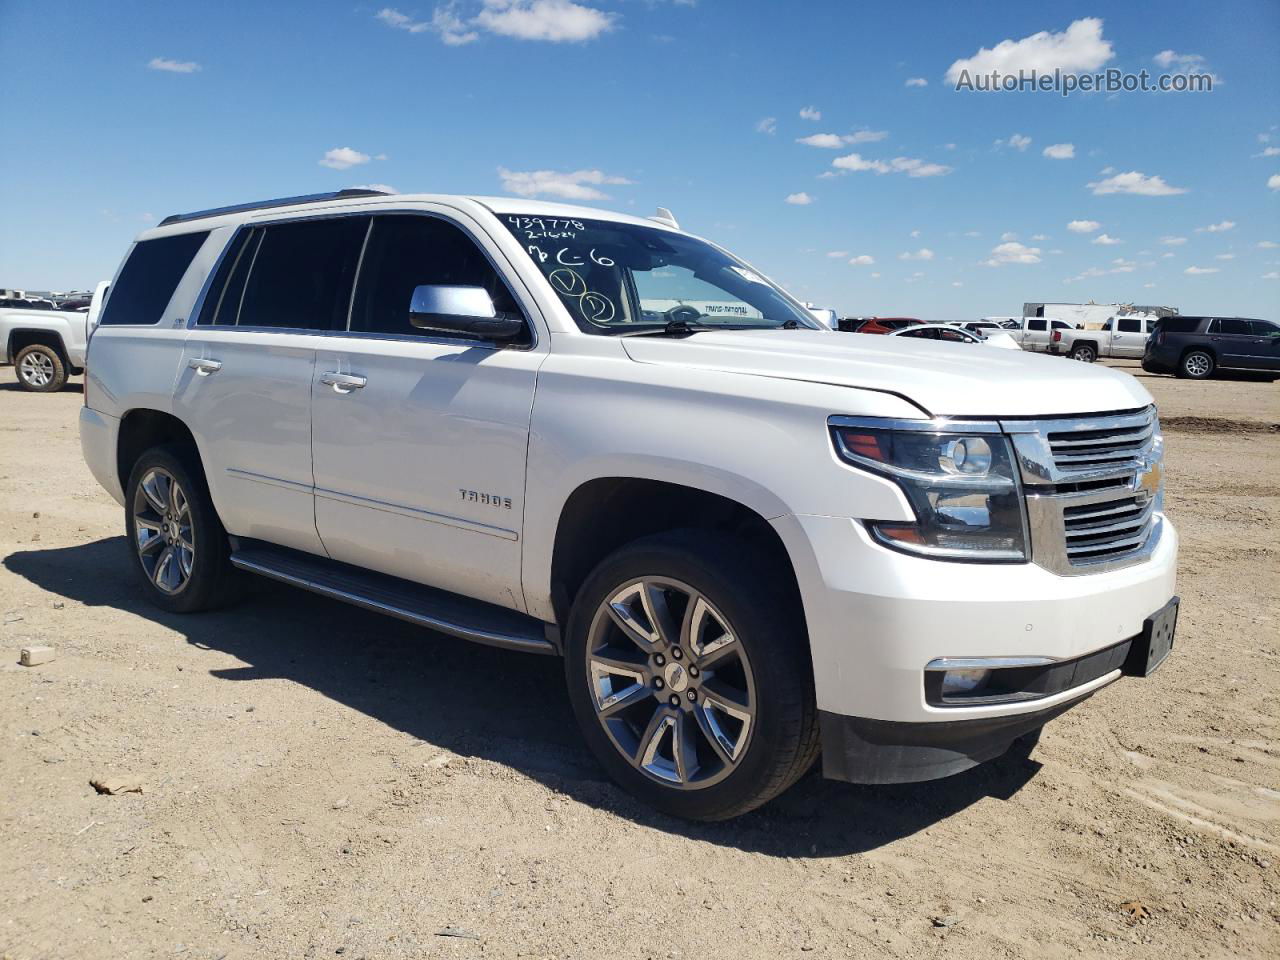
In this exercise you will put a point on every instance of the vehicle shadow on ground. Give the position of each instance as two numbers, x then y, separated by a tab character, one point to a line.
506	707
18	388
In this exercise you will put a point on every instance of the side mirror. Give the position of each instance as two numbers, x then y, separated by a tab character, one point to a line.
464	310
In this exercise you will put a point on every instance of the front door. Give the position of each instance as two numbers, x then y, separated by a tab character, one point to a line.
1265	351
244	387
419	440
1233	339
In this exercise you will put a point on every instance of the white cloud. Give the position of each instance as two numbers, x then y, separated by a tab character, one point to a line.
1199	271
1121	265
914	234
866	136
1224	256
917	82
1105	240
1039	236
810	113
400	21
1222	227
578	185
1008	235
173	66
1273	275
863	260
911	166
556	21
1017	142
1269	152
924	253
1012	253
1148	286
948	146
1083	226
1167	256
827	141
453	30
343	158
956	283
1172	241
1060	151
1078	48
1106	171
1267	244
972	233
767	125
1184	63
837	254
381	187
1137	183
800	199
1273	182
875	276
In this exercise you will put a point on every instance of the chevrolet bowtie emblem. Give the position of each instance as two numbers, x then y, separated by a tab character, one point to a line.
1147	482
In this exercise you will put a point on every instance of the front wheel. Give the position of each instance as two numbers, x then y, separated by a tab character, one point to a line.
179	546
1197	365
40	369
1084	352
689	673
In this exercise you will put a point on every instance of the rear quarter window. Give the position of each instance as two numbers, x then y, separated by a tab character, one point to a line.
149	277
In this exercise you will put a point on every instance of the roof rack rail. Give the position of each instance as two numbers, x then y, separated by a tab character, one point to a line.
268	204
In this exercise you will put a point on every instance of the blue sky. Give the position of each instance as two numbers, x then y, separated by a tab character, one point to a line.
118	114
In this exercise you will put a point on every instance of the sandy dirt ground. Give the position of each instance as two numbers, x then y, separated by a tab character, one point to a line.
323	782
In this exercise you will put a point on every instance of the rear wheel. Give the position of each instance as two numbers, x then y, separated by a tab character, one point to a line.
40	369
1084	352
179	546
689	673
1197	365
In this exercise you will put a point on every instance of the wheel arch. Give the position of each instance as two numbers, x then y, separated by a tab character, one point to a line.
1198	348
20	339
143	428
605	513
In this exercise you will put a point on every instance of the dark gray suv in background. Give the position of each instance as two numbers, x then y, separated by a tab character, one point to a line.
1197	347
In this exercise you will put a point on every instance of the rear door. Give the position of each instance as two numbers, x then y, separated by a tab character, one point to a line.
1232	339
244	387
420	445
1035	334
1127	339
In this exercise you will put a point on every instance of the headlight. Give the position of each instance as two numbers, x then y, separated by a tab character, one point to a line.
960	479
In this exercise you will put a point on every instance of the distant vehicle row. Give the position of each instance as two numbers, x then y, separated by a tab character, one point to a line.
1198	347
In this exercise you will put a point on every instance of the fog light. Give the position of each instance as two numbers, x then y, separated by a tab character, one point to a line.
962	682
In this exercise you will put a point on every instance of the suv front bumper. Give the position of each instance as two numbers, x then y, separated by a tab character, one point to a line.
876	617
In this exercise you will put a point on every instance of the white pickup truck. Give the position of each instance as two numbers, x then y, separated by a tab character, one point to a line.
1119	337
750	539
1031	333
48	346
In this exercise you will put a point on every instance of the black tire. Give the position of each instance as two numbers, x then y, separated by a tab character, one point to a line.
1084	352
1197	365
211	579
746	587
40	369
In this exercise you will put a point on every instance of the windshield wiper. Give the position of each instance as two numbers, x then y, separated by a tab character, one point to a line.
676	328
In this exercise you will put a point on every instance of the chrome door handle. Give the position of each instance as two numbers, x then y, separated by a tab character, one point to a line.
203	366
343	382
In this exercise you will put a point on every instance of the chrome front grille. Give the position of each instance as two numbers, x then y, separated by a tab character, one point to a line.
1093	489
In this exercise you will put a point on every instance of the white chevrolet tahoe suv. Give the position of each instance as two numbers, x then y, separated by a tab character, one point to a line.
585	434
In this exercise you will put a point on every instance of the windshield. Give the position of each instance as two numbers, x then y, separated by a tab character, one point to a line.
619	277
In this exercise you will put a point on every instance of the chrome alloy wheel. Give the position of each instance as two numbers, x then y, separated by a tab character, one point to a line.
162	530
1197	365
36	369
671	683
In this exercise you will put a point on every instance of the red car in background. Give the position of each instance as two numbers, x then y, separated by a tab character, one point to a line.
877	324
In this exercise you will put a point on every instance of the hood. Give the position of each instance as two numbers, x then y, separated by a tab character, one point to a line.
945	379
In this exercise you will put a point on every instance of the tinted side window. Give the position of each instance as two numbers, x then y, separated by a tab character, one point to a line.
1180	324
222	302
302	273
404	252
1231	326
1037	324
1262	328
149	277
1129	325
